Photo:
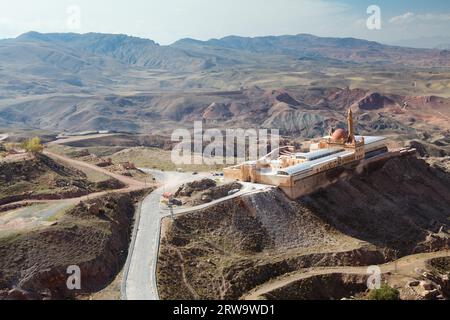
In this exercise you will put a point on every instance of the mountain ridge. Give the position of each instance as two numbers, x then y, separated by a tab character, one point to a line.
95	81
194	55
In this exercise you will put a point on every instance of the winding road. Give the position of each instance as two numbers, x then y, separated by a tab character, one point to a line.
407	265
131	184
139	281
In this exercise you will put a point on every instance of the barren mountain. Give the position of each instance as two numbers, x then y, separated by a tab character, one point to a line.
309	46
126	49
305	113
299	84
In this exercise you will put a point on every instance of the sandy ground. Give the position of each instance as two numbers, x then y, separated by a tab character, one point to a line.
30	217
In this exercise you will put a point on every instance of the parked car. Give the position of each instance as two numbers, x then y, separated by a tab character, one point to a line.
234	191
176	202
218	174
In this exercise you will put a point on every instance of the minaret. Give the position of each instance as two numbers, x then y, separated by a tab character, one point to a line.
351	132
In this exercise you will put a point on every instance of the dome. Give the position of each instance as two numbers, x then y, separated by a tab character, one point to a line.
339	135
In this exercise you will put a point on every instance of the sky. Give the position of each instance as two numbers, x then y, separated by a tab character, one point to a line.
411	22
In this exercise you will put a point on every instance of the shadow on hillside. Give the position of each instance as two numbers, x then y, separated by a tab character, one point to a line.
394	206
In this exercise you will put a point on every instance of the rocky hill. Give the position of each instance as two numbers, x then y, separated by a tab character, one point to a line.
383	213
40	177
307	113
94	236
402	206
204	191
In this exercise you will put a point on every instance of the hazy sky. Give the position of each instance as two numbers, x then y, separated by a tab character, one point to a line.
166	21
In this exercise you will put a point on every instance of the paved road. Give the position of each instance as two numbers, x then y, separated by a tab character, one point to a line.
139	281
61	139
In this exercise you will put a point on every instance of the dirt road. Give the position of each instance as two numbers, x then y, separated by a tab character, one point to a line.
67	139
131	184
404	266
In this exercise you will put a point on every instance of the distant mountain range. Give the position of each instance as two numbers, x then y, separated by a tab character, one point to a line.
117	82
432	42
443	46
309	46
193	55
36	63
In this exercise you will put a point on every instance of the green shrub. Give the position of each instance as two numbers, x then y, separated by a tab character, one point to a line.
384	293
33	145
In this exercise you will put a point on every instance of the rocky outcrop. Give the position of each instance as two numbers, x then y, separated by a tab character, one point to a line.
282	96
186	190
33	168
217	111
109	184
93	236
218	192
334	286
373	101
440	274
42	178
401	204
246	276
428	149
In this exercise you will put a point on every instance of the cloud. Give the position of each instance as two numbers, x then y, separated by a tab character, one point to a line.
410	17
404	18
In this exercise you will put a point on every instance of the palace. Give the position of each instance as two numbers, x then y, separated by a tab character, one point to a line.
299	173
